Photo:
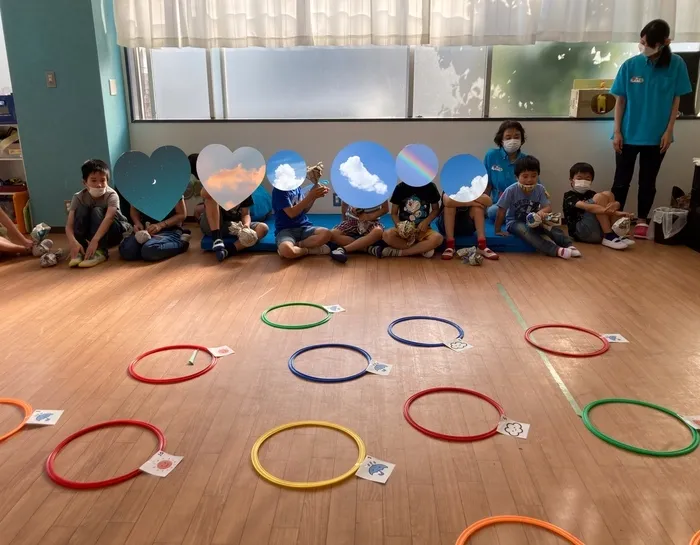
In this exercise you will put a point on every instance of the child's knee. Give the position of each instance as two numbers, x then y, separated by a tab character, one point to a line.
323	234
130	249
609	194
436	239
150	252
205	195
261	229
389	235
286	250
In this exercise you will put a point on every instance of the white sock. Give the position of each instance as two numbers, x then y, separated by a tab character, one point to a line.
320	250
564	253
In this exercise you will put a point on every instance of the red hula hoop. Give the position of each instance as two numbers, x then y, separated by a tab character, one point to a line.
444	436
602	350
91	485
175	380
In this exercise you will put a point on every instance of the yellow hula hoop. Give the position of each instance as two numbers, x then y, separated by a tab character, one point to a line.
254	454
27	413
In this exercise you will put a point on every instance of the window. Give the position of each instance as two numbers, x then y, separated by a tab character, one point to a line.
371	82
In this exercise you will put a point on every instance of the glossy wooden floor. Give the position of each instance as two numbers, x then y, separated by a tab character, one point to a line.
69	335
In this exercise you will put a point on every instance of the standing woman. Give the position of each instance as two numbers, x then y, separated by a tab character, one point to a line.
648	88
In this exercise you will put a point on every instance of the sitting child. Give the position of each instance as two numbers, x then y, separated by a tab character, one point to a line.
95	222
295	235
359	230
156	240
527	197
15	243
590	215
463	219
413	209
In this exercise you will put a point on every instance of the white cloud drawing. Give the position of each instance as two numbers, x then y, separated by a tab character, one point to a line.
473	191
360	178
285	178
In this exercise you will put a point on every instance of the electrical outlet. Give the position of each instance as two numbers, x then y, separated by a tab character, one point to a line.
336	200
51	79
113	87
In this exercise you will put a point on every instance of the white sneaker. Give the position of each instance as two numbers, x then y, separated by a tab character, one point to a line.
320	250
615	244
429	254
628	241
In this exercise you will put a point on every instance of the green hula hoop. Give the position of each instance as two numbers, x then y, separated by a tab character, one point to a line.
666	454
296	326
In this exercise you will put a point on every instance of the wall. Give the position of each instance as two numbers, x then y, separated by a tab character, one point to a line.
5	85
558	145
62	127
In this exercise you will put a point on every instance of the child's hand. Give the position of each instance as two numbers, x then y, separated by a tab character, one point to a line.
154	228
138	226
502	233
91	249
542	214
423	226
75	249
612	207
317	192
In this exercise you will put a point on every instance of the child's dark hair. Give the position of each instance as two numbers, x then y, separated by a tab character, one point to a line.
656	33
94	165
508	124
527	164
581	168
193	164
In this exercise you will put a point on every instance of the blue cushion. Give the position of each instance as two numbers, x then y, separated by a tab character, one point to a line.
267	244
262	204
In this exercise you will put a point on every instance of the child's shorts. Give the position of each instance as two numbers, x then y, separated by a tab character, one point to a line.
588	229
351	227
295	234
464	224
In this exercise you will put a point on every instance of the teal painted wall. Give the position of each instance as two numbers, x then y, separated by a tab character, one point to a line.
62	127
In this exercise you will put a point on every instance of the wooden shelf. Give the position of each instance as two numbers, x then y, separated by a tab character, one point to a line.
10	158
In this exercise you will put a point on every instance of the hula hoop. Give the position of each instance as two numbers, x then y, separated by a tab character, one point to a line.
322	321
490	521
394	336
312	378
27	413
695	540
619	444
175	380
255	458
602	350
444	436
91	485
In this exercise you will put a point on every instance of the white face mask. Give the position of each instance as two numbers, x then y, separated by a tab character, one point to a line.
97	191
526	188
648	51
512	145
581	186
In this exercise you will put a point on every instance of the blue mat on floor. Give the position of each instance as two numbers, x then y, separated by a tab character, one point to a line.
267	244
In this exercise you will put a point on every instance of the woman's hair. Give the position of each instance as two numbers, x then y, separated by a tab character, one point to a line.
656	33
528	163
509	124
193	164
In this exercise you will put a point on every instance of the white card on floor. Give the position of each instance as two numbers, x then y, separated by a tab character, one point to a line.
615	338
160	464
693	421
221	351
458	345
378	368
334	309
512	428
375	470
44	417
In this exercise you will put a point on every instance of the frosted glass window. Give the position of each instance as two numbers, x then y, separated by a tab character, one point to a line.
180	84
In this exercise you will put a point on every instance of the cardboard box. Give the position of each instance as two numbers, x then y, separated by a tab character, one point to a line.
591	98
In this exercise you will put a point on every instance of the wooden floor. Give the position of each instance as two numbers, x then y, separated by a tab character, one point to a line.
69	335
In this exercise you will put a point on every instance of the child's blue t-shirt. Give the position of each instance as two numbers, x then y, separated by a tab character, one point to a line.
519	204
285	199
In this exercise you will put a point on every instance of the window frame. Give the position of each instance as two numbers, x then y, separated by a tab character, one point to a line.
133	69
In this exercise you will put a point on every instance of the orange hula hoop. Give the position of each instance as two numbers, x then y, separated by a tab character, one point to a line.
490	521
27	413
695	540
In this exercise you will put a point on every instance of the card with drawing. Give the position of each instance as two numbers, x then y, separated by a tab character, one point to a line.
44	417
458	345
378	368
513	428
692	421
161	464
615	338
221	351
334	309
373	469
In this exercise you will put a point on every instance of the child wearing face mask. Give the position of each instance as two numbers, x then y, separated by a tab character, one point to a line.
529	197
590	215
94	220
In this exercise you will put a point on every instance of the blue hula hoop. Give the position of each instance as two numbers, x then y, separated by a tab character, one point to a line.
328	380
394	336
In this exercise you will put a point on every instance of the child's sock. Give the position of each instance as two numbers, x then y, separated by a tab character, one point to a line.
450	243
481	243
610	236
321	250
564	253
575	251
376	249
391	252
216	234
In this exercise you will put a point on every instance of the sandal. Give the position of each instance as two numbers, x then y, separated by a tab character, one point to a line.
488	253
448	254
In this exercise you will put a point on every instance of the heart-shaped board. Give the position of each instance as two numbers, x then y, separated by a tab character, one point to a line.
153	185
230	177
464	178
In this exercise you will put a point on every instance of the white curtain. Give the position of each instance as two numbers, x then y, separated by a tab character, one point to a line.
288	23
